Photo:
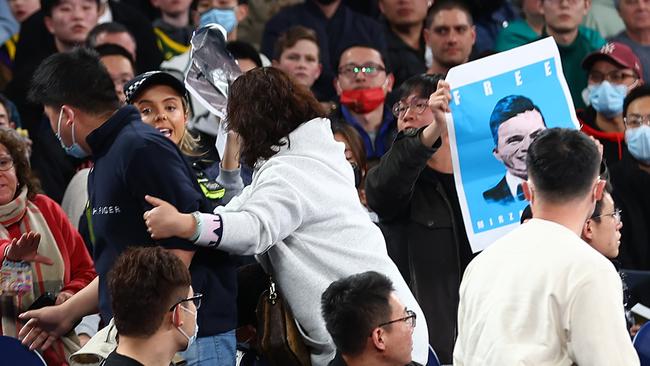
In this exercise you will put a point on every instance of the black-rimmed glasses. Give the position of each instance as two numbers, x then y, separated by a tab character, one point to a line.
351	70
196	299
409	319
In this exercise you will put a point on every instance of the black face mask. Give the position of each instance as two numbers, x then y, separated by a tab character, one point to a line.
324	2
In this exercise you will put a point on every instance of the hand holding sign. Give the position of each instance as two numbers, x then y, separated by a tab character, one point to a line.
439	105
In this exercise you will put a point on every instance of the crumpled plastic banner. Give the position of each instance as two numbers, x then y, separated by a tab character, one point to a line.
212	69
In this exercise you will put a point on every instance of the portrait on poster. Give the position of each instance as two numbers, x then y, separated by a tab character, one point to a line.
499	105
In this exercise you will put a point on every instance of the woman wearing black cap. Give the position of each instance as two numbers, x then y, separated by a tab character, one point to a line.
163	103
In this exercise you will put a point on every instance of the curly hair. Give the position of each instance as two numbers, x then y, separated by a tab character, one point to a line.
264	106
17	148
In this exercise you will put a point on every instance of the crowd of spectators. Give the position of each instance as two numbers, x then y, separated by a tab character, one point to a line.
102	148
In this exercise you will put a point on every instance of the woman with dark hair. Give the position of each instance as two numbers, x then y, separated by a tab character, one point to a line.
300	215
36	240
413	192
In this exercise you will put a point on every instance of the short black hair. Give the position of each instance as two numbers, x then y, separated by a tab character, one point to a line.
243	50
382	55
110	49
48	5
562	164
640	91
423	85
110	28
76	78
440	5
508	107
353	306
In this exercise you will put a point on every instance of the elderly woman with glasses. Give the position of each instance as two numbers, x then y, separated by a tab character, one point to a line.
37	241
301	214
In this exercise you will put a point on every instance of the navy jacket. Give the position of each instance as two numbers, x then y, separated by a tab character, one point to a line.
133	159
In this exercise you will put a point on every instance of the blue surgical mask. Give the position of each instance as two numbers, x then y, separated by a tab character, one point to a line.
190	339
74	150
607	99
224	17
638	143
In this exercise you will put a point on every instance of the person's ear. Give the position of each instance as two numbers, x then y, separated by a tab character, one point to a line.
377	337
337	86
48	24
390	81
495	153
599	188
68	115
241	12
176	317
587	230
12	124
473	29
380	3
529	192
426	33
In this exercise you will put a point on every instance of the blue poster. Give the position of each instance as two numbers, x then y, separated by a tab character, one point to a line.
499	105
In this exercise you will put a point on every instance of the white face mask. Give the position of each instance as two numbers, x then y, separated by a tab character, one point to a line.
190	339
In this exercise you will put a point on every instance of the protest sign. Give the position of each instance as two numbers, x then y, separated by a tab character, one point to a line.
499	104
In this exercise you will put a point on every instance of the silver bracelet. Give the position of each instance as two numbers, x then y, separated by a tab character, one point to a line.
197	231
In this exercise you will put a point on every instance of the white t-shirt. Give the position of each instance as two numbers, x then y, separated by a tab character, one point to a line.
542	296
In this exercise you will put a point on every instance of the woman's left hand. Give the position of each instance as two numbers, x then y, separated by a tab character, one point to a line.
164	221
25	248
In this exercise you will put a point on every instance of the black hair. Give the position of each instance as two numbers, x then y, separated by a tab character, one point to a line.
440	5
382	55
508	107
353	306
110	28
243	50
562	164
110	49
423	85
76	78
640	91
48	5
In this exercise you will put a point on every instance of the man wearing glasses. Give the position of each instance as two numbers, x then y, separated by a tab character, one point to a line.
613	71
631	179
154	307
368	323
362	83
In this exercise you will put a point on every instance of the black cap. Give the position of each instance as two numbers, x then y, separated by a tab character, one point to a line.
142	82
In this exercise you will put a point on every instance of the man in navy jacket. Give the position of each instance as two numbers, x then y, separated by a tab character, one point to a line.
131	160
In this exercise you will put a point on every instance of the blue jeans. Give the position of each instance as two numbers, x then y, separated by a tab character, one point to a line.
217	350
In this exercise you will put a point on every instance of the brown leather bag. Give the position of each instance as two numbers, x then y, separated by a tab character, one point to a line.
277	333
